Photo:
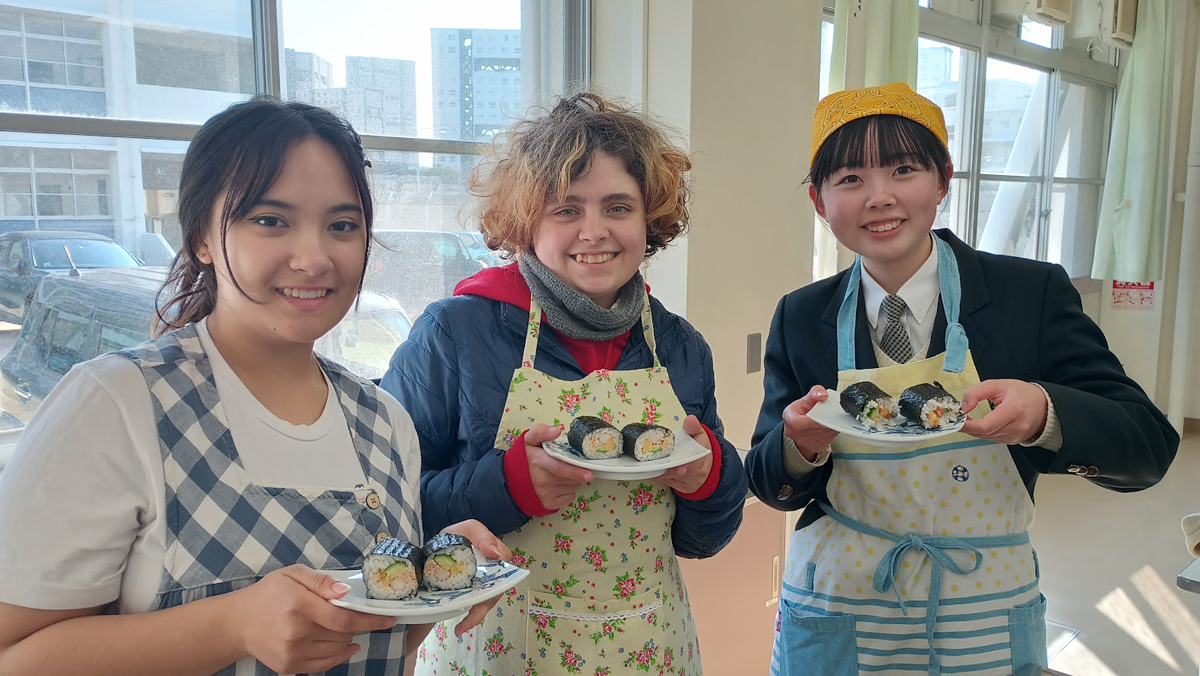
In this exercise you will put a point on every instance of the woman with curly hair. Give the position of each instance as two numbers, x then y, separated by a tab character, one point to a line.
581	198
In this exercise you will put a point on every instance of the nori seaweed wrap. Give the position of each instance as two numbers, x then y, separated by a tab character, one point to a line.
593	438
648	442
868	403
449	562
930	405
392	569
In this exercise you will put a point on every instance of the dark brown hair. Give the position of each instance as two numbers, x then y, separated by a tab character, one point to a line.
239	153
880	141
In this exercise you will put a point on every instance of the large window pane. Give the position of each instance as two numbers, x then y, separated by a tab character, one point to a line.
946	76
447	70
1008	218
1081	130
191	58
1014	119
1071	236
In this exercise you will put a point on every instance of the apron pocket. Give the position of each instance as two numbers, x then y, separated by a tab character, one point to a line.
567	634
817	644
1027	634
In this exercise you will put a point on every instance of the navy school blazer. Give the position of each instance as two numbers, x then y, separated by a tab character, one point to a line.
1024	320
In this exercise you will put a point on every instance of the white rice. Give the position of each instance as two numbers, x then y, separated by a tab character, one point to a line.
602	444
878	404
654	444
952	411
382	586
437	577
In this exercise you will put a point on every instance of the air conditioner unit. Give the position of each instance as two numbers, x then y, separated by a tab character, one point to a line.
1050	11
1120	21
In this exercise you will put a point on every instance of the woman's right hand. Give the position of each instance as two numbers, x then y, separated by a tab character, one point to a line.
554	481
809	436
286	622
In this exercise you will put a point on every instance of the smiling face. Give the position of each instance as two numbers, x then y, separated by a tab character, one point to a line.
594	240
299	252
882	213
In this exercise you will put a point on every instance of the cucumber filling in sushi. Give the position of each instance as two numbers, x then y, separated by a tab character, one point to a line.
648	442
870	405
449	562
593	438
390	570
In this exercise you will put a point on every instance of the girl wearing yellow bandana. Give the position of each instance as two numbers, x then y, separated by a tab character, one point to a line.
917	559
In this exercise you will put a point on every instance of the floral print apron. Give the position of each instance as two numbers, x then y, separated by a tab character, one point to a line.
605	595
922	563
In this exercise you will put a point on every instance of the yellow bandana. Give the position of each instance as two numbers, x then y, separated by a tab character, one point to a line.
897	98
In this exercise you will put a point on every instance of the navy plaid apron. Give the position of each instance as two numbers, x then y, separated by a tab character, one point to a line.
224	532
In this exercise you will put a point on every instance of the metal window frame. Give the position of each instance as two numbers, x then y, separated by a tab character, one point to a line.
987	43
269	57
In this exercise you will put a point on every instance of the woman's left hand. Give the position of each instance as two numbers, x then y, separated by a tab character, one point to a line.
1018	413
490	546
690	477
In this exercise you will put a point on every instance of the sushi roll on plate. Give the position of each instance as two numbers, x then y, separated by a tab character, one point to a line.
449	562
594	439
930	406
648	442
391	570
870	405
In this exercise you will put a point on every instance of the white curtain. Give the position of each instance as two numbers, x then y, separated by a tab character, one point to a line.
1135	204
874	43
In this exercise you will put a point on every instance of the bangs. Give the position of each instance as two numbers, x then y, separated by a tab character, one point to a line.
878	141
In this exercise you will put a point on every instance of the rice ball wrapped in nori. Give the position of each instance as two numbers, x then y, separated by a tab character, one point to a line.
868	403
648	442
593	438
930	405
449	562
392	570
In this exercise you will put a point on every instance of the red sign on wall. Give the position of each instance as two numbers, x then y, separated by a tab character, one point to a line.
1133	295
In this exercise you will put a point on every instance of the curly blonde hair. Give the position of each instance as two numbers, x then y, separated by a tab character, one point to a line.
536	160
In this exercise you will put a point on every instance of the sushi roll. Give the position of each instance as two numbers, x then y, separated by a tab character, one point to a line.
392	570
593	438
648	442
930	405
869	404
449	562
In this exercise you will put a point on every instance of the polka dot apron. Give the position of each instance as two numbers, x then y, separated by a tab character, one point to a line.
605	595
922	563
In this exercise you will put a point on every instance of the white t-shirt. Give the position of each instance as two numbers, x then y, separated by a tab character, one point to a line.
81	498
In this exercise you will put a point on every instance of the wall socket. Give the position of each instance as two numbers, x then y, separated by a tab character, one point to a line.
753	353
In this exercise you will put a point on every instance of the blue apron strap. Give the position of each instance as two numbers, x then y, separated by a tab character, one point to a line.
847	316
951	287
950	284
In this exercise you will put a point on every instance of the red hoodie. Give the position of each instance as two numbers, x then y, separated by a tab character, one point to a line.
505	284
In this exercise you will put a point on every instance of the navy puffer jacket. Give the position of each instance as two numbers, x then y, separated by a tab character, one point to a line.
452	376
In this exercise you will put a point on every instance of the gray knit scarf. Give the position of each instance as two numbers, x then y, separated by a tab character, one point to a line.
573	313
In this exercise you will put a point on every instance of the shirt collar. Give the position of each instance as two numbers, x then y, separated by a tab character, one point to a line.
920	292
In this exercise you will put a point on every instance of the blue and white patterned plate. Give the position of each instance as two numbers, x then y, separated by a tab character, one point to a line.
830	414
492	579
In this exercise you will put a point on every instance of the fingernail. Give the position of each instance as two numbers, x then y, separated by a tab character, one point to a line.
341	587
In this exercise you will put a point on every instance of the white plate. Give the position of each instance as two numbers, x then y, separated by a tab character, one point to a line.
626	467
830	414
493	578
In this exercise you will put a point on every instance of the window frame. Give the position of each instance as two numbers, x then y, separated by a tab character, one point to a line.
988	42
268	50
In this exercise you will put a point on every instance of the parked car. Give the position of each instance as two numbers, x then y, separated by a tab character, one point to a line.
478	249
28	255
417	267
73	318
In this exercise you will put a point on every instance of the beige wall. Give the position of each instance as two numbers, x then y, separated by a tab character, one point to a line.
739	80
